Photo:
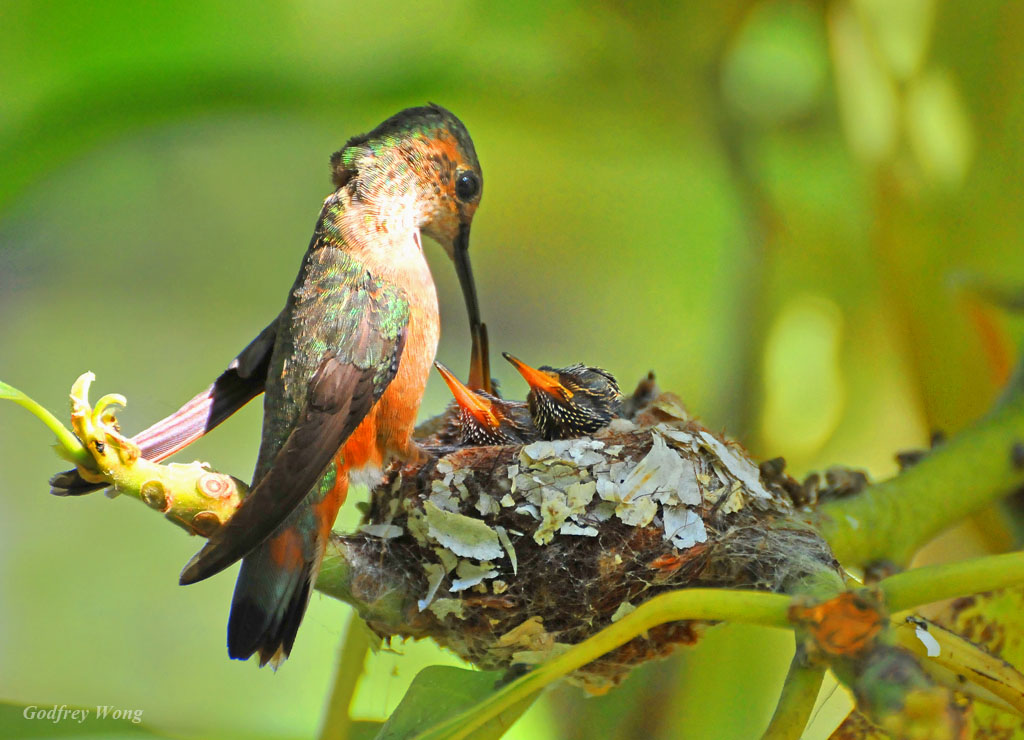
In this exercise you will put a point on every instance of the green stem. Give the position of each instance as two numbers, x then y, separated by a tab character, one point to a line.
355	644
890	521
751	607
914	588
70	448
799	694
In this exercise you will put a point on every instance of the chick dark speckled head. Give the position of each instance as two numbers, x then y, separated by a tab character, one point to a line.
487	420
571	401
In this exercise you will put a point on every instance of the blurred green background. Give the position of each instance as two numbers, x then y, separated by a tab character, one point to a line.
772	204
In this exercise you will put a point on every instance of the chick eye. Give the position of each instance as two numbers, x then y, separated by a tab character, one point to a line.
467	186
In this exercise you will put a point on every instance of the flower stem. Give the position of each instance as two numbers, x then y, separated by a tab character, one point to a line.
69	446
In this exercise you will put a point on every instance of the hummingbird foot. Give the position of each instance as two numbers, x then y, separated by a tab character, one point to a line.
413	454
436	452
431	456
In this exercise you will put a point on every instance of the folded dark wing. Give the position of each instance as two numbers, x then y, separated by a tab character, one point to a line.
344	388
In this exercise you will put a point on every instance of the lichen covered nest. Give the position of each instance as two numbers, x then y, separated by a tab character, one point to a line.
508	554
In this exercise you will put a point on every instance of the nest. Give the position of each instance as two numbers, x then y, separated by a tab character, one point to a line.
506	554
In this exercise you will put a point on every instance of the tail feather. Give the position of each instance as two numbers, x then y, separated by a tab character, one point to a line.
276	578
268	606
240	383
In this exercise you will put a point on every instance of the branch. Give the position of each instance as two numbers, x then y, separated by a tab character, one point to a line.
891	520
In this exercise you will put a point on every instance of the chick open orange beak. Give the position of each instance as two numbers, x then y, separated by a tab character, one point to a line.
480	408
539	380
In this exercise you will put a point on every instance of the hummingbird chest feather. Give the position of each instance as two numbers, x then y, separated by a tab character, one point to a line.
352	303
387	430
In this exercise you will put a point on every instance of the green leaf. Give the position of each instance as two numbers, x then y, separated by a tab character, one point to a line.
996	621
440	692
57	720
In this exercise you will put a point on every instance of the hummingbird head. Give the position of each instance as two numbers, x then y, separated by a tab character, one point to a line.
418	171
569	401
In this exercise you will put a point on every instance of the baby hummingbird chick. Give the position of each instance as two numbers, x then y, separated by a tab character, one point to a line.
487	420
571	401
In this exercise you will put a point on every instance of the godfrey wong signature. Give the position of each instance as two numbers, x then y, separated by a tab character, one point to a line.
64	713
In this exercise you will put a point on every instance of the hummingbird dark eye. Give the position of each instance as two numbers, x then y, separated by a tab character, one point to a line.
467	186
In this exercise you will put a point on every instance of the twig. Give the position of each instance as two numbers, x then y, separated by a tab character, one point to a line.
355	644
799	694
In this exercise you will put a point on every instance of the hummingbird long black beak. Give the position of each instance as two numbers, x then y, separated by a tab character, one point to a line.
479	361
463	268
540	380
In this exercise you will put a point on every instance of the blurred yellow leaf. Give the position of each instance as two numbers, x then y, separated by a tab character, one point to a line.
868	105
938	129
804	390
901	29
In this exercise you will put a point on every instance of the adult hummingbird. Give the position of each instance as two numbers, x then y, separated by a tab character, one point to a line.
344	366
349	365
569	401
485	419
